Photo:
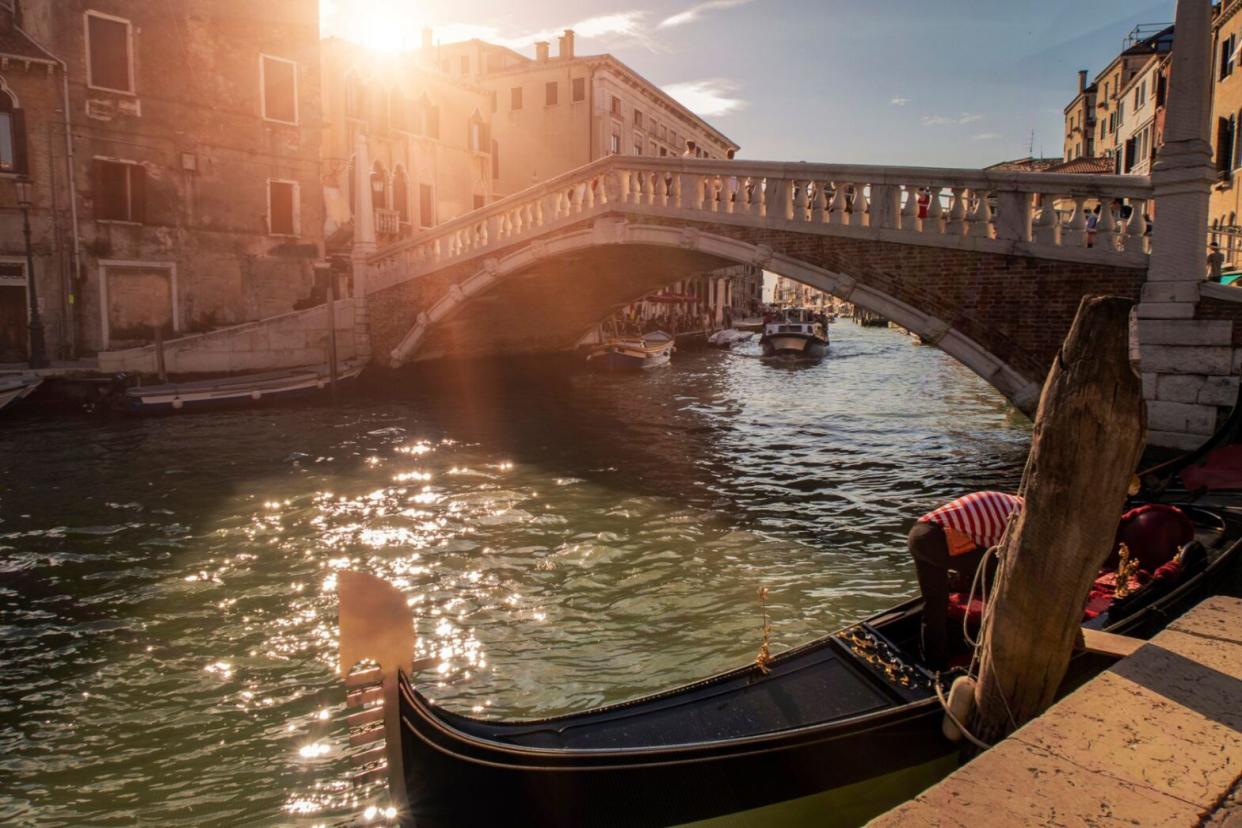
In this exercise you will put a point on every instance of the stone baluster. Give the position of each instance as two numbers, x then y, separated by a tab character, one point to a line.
1046	222
1074	233
1106	227
838	204
884	200
909	216
777	198
934	221
801	199
858	205
955	225
980	216
1136	227
689	192
817	202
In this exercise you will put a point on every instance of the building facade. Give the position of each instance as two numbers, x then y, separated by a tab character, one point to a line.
427	136
1137	136
1140	45
553	114
1080	121
188	196
1225	204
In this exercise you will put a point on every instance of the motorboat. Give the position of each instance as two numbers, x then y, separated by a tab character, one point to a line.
627	353
795	333
235	391
17	387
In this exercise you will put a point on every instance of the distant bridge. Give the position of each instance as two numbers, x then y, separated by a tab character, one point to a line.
992	274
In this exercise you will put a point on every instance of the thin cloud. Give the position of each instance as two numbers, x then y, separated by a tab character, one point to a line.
945	120
695	12
899	101
985	136
706	98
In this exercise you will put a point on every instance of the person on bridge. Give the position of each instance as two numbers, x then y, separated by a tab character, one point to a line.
954	538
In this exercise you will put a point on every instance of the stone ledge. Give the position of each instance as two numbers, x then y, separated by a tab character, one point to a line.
1152	741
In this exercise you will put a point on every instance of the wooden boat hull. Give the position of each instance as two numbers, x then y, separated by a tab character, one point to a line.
794	346
826	718
232	392
12	391
634	355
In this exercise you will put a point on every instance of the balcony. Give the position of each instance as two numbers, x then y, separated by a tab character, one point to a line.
387	222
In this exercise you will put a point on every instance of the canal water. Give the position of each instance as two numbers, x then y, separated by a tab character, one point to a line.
167	606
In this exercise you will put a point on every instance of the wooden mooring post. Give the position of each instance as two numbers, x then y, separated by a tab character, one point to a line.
1088	436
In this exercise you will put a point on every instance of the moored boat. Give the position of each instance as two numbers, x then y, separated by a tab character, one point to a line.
728	337
844	726
16	387
235	391
625	353
796	333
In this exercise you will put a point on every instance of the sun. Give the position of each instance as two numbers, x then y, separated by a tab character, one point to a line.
388	26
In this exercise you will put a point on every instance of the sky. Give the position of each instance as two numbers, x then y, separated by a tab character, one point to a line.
952	83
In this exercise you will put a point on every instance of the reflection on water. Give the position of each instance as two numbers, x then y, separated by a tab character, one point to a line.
567	538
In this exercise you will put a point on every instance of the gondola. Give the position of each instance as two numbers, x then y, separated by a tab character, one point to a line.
235	391
838	729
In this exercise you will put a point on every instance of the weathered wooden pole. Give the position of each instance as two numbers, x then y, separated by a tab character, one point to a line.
1088	436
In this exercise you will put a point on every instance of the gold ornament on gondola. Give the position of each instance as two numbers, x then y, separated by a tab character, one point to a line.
765	654
1126	569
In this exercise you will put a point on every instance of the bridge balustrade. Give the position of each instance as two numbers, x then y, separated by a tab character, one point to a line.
1103	218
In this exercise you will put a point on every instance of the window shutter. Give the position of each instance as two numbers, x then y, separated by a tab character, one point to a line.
19	140
97	189
137	193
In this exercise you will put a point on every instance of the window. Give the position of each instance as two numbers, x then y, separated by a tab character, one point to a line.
109	53
651	148
425	214
379	187
515	98
495	160
1237	148
401	195
663	132
433	122
477	138
1227	47
638	146
550	91
614	144
355	98
579	89
616	106
119	190
1224	142
478	202
638	119
279	78
282	208
12	136
663	151
465	64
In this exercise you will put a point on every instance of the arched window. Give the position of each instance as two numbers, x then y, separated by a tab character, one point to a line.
401	194
476	137
379	187
12	134
430	117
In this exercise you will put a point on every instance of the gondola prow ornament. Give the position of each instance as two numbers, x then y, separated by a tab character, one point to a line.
376	625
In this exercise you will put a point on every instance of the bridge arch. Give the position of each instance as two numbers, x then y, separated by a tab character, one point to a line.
714	251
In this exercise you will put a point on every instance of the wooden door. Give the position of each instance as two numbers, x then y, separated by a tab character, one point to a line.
13	324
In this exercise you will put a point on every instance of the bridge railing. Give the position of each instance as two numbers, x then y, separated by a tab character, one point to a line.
1031	213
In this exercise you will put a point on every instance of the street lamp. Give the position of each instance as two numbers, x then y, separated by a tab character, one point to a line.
38	351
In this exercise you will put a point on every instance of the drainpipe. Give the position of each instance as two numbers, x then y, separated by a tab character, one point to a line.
71	321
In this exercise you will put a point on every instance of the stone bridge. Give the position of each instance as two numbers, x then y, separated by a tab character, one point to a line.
992	274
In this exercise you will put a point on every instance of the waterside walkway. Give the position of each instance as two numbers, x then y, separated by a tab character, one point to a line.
1154	741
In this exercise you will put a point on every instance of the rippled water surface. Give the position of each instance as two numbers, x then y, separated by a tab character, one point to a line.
167	605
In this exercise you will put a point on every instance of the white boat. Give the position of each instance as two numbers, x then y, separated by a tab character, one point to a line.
728	337
797	333
634	352
247	389
15	387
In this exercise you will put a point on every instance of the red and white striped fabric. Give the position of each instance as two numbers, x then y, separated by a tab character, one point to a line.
980	516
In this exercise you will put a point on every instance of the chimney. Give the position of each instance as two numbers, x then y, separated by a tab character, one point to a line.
567	45
541	51
427	38
1082	80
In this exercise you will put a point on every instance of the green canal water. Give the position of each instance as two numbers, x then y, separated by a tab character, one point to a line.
167	605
